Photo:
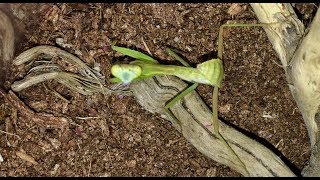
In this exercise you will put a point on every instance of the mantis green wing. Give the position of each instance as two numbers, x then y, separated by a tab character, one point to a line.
134	54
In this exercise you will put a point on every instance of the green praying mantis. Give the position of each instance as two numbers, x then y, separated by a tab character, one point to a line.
209	72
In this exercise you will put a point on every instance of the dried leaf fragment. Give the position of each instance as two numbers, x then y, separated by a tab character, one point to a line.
26	157
234	9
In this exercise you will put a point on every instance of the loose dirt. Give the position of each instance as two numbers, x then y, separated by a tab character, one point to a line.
125	139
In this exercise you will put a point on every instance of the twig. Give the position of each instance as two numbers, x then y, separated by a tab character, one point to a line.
10	134
85	118
42	119
145	45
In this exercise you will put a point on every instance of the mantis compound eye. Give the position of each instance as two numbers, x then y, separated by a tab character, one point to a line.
126	72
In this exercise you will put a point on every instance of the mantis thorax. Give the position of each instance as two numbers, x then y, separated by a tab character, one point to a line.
212	70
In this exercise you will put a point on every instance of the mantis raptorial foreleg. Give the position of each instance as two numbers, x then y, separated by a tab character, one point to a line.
182	93
177	98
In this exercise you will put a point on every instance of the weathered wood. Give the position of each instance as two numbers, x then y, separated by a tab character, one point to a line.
301	64
305	74
194	123
6	57
7	47
286	31
194	116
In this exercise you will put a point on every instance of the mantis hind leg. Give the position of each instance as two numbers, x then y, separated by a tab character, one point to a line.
215	92
176	99
215	125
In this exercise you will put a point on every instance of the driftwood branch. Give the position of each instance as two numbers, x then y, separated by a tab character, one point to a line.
6	45
194	115
286	32
194	120
301	64
305	76
45	120
6	56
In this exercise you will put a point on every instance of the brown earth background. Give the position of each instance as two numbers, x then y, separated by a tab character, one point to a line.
125	139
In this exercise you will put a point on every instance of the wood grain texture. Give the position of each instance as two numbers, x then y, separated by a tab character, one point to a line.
7	47
194	116
194	123
305	78
286	32
299	53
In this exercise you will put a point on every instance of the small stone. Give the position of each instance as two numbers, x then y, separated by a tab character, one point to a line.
1	158
21	154
211	172
55	143
225	108
132	163
55	168
188	48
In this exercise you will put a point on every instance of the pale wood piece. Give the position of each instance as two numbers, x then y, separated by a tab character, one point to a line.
301	64
194	115
194	123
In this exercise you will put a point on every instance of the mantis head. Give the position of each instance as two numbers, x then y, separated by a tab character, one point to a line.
126	72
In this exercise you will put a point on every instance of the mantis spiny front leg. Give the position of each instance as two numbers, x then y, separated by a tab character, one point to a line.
182	93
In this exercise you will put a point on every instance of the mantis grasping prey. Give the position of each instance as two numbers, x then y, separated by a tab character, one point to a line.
209	72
